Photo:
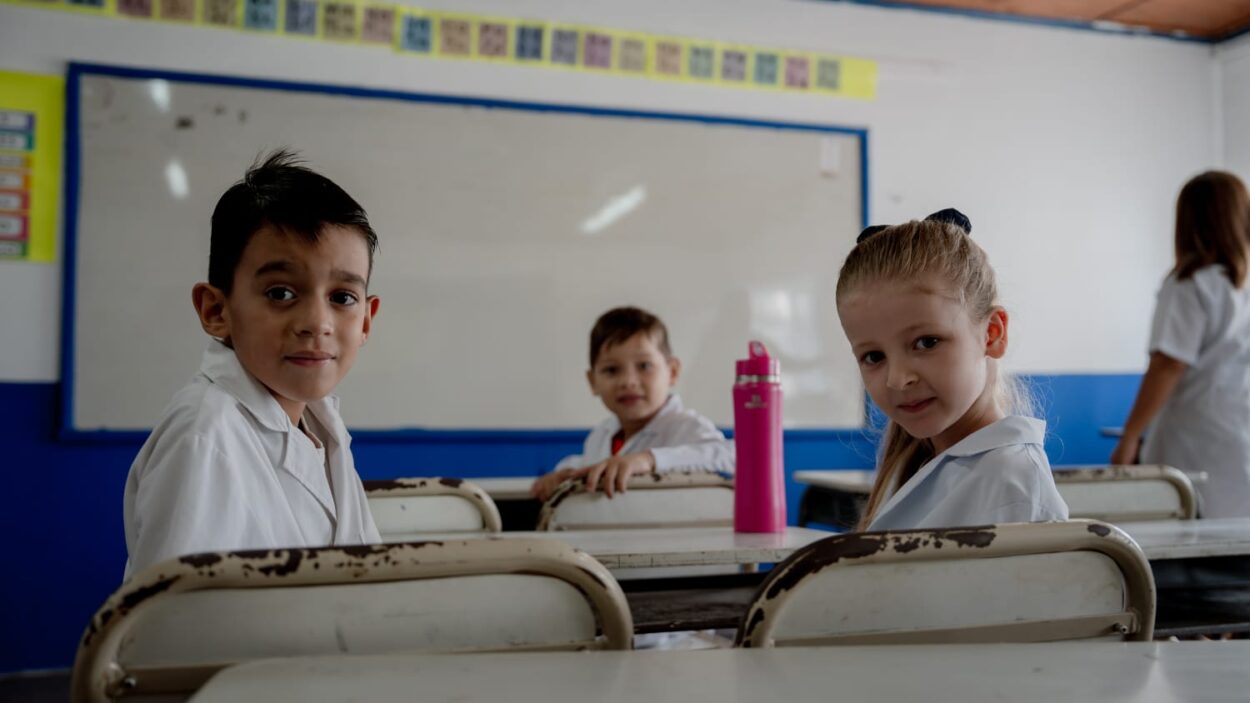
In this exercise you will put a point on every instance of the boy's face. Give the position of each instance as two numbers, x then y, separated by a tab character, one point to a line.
633	379
299	312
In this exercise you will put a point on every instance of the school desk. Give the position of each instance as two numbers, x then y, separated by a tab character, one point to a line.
1191	539
505	488
834	497
518	510
1092	672
679	578
837	497
672	547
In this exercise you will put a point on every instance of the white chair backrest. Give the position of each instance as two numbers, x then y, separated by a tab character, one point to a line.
1127	493
405	509
998	583
175	624
673	499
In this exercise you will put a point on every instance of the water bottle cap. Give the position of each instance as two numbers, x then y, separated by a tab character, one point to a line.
758	363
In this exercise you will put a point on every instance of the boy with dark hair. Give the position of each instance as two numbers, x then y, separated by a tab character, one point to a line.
632	370
252	453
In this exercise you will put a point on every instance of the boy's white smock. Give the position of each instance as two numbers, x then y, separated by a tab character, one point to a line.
997	474
1204	322
227	470
678	437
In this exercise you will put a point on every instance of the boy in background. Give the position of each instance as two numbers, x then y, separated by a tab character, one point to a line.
632	370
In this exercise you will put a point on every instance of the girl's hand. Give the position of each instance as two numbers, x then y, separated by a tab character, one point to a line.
613	474
1127	451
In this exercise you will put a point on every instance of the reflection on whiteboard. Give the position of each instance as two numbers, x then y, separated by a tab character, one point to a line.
505	231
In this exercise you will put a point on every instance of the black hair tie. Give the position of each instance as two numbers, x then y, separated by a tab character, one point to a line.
949	216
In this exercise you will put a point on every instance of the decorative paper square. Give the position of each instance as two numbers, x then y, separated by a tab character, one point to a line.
492	40
702	62
829	74
416	34
564	47
633	55
260	14
134	8
340	21
176	10
733	65
668	58
14	201
454	37
301	17
598	52
378	26
766	68
222	13
796	71
529	42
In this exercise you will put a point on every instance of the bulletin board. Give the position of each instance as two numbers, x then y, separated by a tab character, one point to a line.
32	114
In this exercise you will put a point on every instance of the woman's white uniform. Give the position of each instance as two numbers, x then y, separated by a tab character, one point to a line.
1205	426
679	439
227	470
997	474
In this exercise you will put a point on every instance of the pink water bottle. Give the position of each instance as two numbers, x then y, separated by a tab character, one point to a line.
759	480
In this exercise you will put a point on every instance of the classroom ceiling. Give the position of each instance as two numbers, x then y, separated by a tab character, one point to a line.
1208	19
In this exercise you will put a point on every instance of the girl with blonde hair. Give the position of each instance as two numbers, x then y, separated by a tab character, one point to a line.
919	305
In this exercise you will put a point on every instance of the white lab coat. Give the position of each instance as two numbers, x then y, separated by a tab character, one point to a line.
679	438
997	474
225	469
1205	426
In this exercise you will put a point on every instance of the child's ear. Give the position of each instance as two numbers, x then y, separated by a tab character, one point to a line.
372	303
590	381
674	369
996	333
210	305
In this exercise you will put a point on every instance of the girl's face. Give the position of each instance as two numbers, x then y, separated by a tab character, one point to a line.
924	361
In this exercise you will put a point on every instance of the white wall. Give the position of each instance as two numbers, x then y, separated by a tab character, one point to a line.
1233	67
1065	147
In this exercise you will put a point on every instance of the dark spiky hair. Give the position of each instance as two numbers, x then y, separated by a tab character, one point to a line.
279	191
619	324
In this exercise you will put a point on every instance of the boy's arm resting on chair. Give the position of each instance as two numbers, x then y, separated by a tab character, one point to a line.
703	448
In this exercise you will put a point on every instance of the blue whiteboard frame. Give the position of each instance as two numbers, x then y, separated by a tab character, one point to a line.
68	432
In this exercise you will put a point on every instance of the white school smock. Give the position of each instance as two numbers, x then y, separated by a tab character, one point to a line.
225	469
679	438
997	474
1204	322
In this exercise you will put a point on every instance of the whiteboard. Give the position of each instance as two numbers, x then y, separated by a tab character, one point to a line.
505	230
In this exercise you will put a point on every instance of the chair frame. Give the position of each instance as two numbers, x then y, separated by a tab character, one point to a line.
1144	472
97	677
980	542
404	487
667	480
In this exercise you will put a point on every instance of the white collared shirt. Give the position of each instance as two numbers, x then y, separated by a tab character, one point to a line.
995	475
1204	321
679	438
226	469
